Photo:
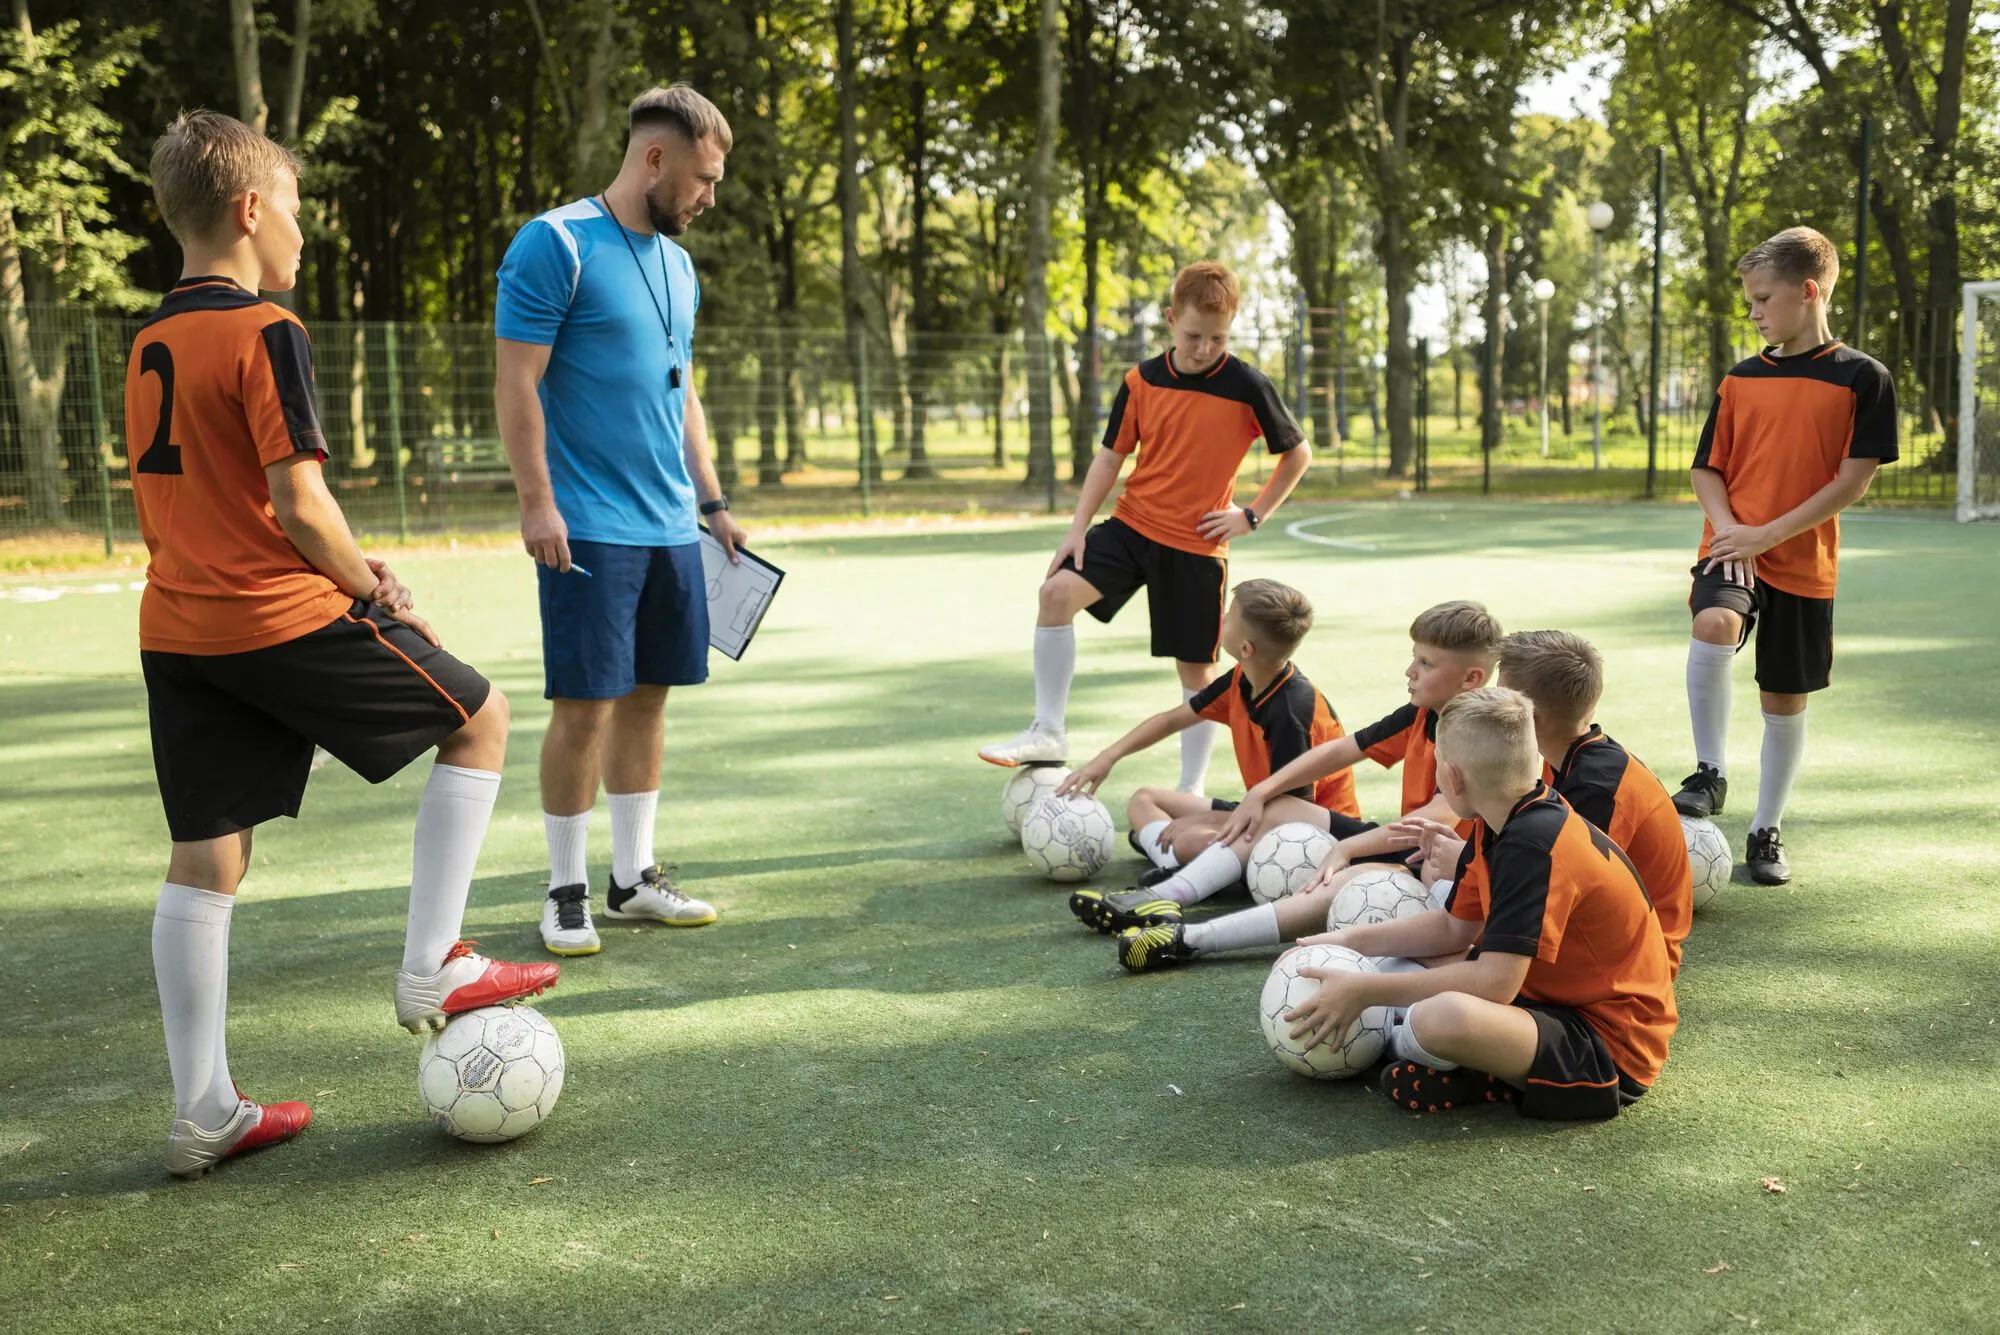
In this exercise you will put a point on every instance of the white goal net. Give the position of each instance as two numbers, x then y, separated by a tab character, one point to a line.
1979	404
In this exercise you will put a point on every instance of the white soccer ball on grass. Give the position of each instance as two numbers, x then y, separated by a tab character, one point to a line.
1027	788
1069	838
1709	858
1379	893
1284	860
491	1074
1287	987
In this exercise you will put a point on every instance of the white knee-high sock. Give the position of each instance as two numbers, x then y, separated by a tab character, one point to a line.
1404	1039
1214	870
1234	931
1778	766
1708	700
1159	854
451	824
569	838
1055	665
191	967
632	834
1197	744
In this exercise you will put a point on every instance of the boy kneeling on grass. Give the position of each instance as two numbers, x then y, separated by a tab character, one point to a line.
1565	1003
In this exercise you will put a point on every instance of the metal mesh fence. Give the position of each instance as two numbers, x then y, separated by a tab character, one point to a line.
414	447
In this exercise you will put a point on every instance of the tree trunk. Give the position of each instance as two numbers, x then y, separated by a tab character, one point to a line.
915	25
1083	418
295	83
1035	296
770	467
250	106
999	402
38	367
1398	385
853	305
719	402
590	133
1493	310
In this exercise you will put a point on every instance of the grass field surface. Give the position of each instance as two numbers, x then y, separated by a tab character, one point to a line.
898	1087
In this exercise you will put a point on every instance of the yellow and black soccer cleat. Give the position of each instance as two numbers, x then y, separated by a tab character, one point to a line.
1154	947
1112	913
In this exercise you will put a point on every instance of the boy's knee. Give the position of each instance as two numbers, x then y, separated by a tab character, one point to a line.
1718	625
495	715
1442	1019
1057	600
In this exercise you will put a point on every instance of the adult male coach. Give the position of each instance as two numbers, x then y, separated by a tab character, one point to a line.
609	447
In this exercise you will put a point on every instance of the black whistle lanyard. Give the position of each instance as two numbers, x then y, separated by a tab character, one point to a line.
667	315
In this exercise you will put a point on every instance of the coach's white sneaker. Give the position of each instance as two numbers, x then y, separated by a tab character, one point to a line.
654	898
566	925
1036	746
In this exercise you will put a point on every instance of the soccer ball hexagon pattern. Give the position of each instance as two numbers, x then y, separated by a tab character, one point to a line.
491	1074
1285	859
1346	1054
1709	858
1377	894
1027	788
1068	838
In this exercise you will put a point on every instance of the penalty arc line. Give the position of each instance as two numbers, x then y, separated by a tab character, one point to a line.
1298	529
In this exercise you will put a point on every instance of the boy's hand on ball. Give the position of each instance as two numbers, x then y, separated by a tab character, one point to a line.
1330	1010
1334	864
1085	779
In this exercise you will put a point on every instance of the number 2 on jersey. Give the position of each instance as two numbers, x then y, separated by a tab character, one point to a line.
161	455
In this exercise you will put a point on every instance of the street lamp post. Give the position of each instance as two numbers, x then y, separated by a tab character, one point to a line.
1599	216
1544	289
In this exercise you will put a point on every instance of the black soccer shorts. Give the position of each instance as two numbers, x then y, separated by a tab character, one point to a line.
1573	1078
233	734
1794	634
1185	591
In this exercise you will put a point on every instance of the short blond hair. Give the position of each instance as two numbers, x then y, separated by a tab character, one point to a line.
678	106
1795	254
1560	672
1207	286
1277	616
1462	627
1490	734
203	162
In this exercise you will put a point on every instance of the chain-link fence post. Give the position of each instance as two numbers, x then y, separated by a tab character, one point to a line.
864	419
97	425
396	432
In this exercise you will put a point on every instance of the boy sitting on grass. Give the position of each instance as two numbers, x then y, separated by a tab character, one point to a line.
1565	1004
1563	677
1274	716
1453	647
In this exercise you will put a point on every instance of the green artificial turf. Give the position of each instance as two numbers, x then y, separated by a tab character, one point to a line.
897	1086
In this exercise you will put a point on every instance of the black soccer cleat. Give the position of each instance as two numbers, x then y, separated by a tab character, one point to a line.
1153	876
1766	857
1154	947
1110	914
1421	1088
1703	793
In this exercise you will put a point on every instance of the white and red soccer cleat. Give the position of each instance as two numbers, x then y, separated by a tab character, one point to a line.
192	1151
466	982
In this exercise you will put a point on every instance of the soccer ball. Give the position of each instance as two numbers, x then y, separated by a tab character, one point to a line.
1068	838
1708	858
491	1074
1027	787
1378	894
1356	1050
1285	859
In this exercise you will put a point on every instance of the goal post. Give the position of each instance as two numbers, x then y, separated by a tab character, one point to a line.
1979	404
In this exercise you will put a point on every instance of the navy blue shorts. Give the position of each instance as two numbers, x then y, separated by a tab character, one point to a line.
639	618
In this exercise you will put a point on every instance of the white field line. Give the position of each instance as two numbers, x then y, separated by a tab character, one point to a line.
48	593
1298	529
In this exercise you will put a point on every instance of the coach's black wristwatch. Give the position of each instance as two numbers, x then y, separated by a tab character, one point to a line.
1254	518
722	503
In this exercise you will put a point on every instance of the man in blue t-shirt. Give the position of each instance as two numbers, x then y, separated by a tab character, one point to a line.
609	447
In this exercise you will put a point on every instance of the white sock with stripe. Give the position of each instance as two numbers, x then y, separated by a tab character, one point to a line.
452	817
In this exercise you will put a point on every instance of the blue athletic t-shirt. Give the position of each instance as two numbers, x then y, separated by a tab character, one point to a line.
615	424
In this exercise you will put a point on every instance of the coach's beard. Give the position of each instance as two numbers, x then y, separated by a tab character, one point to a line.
664	222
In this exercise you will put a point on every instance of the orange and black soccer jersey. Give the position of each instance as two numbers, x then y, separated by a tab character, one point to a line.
1275	728
1777	432
1191	432
220	386
1613	790
1553	887
1409	737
